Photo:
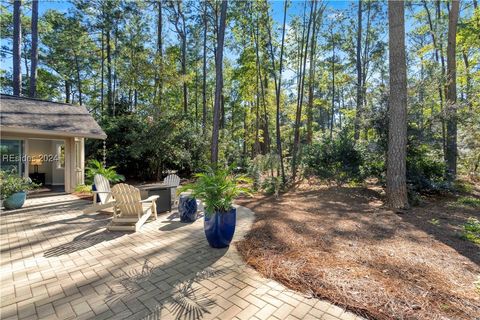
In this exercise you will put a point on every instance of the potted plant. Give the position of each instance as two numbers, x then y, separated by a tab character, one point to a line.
217	188
14	189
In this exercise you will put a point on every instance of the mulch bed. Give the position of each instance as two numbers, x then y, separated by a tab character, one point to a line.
343	245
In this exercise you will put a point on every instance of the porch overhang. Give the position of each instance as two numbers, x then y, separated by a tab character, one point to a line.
47	133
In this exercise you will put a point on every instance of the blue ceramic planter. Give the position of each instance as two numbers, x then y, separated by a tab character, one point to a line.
220	227
15	201
187	208
94	188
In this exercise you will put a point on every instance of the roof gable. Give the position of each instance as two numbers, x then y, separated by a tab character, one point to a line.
60	118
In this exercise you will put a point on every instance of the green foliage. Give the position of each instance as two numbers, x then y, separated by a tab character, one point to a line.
10	183
96	167
144	149
425	172
469	201
463	186
217	188
272	185
260	170
82	188
471	230
334	160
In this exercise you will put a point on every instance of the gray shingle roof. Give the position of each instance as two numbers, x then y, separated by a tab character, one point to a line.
17	113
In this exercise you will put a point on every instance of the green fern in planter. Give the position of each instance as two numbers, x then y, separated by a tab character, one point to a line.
217	188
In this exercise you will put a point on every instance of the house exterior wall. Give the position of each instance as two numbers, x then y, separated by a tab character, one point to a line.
74	168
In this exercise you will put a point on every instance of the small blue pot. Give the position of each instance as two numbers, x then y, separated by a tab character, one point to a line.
187	208
219	228
15	201
94	188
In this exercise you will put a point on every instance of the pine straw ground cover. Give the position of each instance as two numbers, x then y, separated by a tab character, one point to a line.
343	245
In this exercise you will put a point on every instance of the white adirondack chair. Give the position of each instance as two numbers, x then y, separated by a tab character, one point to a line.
103	193
173	180
130	211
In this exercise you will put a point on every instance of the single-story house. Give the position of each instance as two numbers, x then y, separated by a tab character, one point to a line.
45	140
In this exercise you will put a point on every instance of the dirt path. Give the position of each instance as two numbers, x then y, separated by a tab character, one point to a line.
343	245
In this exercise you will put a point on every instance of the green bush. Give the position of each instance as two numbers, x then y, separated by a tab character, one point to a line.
272	185
96	167
469	201
425	169
81	188
334	160
471	230
144	149
260	170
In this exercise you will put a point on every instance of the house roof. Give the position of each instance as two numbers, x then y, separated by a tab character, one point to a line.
27	115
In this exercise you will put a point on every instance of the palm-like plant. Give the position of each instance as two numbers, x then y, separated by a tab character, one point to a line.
217	188
96	167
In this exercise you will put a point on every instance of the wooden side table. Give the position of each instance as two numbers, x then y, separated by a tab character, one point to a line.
38	178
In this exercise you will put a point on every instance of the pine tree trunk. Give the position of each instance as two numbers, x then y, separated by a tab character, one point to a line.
204	85
160	54
79	81
67	91
182	32
109	73
468	79
34	49
218	82
358	64
102	71
278	84
298	115
266	134
451	105
332	114
17	45
397	111
438	59
311	76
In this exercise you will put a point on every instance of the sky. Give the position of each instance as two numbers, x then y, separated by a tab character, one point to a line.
295	8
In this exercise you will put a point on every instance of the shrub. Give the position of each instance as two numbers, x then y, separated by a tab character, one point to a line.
96	167
81	188
471	230
144	148
425	169
260	170
335	160
272	185
469	201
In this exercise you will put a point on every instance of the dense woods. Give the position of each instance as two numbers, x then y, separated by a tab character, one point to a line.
344	91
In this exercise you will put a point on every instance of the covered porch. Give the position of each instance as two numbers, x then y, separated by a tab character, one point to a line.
45	141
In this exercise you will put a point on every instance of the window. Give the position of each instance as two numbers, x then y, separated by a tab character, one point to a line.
12	156
60	156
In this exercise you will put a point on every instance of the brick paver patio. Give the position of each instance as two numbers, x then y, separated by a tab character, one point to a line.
57	262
